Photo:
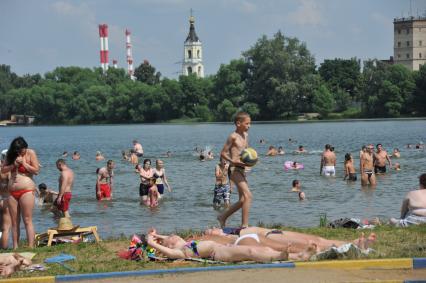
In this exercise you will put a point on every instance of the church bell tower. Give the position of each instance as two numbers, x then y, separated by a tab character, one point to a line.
193	52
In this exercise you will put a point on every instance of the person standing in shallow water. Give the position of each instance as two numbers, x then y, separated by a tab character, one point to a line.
367	167
235	144
350	173
104	183
66	180
22	163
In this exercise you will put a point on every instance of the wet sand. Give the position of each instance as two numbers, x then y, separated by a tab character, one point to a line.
278	275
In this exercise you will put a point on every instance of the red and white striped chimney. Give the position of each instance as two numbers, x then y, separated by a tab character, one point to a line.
103	35
130	70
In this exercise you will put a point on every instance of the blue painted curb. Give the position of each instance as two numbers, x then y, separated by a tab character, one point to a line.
91	276
415	281
419	262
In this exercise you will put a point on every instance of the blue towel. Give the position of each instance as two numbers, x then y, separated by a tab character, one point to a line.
60	258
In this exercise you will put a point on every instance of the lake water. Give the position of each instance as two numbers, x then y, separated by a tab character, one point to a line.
190	203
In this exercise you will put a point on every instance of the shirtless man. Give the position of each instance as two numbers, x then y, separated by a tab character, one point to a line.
65	181
367	167
380	158
137	147
328	162
413	209
104	182
235	144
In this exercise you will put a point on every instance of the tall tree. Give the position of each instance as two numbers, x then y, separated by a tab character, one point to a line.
145	73
276	69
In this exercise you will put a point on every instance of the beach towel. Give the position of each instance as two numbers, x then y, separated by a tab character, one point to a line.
411	220
343	252
60	259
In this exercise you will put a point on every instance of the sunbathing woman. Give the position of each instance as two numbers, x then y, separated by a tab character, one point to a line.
296	242
174	247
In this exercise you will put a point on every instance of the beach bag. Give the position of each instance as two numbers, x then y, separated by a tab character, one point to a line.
343	223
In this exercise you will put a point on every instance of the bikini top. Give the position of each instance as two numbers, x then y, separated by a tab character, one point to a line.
22	169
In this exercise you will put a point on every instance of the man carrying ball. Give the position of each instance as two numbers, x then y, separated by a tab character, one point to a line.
235	144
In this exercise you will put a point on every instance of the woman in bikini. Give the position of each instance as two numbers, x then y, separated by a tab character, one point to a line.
160	175
294	241
174	247
6	222
350	172
22	163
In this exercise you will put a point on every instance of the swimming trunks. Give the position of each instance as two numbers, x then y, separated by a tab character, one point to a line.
19	193
138	154
64	205
369	172
221	192
143	190
237	170
253	236
329	170
232	231
380	169
105	191
352	177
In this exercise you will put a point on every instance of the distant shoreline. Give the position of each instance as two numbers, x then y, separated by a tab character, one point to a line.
219	123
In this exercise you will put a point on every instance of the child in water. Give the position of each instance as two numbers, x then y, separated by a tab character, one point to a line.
296	186
45	195
153	193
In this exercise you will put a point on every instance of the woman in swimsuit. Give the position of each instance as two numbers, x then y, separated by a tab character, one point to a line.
296	242
6	222
175	247
22	163
145	174
160	175
349	168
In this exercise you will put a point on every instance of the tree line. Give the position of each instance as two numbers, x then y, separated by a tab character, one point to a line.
273	80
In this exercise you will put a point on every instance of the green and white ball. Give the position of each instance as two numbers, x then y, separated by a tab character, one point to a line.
249	157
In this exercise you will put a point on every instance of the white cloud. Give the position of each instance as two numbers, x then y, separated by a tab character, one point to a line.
307	14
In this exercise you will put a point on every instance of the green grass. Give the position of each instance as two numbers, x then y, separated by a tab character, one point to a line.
102	257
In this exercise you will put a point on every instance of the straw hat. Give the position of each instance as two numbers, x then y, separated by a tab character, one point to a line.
65	224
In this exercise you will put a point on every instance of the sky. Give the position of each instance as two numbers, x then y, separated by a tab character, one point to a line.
36	36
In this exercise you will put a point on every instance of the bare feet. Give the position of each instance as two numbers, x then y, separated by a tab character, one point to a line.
363	242
7	270
222	221
305	255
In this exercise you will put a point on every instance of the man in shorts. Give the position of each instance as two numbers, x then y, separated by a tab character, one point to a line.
105	181
328	162
380	158
66	180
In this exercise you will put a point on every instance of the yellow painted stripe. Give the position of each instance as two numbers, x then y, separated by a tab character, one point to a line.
41	279
360	264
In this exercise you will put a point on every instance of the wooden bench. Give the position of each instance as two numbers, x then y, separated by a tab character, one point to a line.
80	231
